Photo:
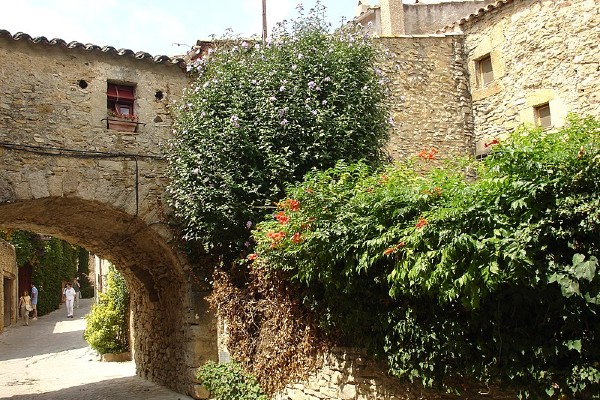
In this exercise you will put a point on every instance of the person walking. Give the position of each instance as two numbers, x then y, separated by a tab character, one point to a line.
25	306
69	297
34	301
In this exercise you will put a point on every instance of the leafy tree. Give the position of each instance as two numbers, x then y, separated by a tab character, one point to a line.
107	323
492	280
260	115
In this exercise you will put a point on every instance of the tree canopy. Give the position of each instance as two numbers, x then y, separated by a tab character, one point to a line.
261	115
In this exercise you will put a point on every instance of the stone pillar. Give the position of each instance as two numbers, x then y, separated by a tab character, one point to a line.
392	17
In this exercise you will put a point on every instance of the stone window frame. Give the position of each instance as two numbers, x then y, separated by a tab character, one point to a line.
543	115
483	77
538	98
488	45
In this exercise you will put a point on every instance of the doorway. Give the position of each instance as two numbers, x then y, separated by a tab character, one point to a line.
8	301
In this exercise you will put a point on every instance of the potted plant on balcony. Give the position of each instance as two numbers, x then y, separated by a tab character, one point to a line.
122	122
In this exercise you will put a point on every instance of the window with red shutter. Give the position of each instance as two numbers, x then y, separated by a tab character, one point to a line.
120	98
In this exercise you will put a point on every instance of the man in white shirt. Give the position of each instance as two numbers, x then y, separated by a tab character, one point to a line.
69	297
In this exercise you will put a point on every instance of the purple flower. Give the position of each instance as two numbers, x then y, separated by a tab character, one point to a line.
313	112
248	224
327	79
245	45
272	98
312	85
324	102
234	121
284	122
282	88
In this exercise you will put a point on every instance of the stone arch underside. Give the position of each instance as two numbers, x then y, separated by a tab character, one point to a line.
154	272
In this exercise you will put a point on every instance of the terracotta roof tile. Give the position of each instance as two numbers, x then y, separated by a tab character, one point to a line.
140	55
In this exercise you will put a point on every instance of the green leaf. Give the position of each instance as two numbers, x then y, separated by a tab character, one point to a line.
574	345
584	269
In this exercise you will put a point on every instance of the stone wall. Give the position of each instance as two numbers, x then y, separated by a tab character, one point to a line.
8	292
422	18
542	51
43	101
348	374
431	102
65	174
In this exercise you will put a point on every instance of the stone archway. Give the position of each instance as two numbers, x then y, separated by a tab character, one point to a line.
172	328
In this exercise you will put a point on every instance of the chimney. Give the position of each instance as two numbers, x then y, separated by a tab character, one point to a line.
363	6
392	17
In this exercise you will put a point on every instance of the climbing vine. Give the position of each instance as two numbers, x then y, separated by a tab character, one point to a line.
52	261
269	333
492	279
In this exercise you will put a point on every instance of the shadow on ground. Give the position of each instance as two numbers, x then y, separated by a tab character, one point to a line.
112	389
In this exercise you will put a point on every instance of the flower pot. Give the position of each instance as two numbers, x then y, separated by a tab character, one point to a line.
122	125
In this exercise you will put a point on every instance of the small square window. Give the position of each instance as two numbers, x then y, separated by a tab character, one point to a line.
542	115
484	70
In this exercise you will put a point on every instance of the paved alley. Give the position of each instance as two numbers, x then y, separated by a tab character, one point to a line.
49	359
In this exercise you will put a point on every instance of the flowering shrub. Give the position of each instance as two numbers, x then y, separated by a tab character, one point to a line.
260	115
493	280
118	115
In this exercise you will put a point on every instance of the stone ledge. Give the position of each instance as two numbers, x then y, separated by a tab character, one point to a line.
116	357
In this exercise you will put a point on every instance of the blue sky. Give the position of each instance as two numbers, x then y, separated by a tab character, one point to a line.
153	26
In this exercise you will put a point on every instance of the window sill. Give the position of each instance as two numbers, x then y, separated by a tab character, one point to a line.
492	88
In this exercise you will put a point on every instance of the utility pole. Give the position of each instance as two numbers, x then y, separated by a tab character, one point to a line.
264	20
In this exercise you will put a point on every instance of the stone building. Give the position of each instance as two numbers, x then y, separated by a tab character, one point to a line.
405	17
531	61
503	64
66	170
8	285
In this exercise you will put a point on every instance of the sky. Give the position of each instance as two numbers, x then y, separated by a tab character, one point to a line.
158	27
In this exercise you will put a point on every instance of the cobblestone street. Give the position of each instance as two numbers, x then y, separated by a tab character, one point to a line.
49	359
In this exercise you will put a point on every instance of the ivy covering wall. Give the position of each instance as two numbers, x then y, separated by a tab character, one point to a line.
52	261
